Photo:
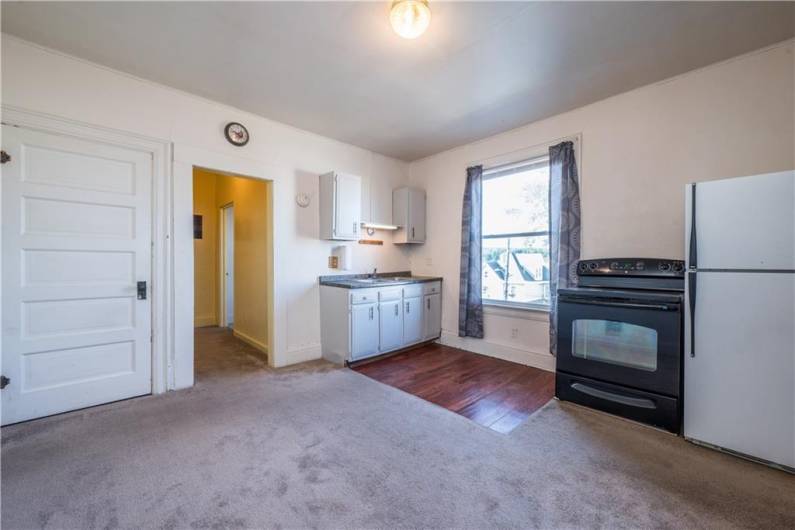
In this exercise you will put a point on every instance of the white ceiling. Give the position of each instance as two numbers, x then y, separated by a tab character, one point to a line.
337	69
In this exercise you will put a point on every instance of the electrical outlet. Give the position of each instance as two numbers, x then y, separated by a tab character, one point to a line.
333	262
515	333
428	262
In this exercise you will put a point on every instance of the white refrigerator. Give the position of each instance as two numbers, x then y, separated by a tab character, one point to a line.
739	369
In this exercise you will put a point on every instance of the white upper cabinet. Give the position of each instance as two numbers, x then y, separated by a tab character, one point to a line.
408	212
340	206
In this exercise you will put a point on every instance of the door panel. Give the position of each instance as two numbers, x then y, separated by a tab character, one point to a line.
391	319
229	266
746	223
348	206
76	239
412	320
364	331
635	346
740	382
417	215
433	316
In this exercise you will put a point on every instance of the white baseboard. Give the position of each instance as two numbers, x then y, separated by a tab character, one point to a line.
544	361
204	321
304	354
251	341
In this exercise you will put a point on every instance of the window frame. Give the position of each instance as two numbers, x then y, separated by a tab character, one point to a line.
504	170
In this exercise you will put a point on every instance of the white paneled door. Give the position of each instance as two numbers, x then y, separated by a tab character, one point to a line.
76	250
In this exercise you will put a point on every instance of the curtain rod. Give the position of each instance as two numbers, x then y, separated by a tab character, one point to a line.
495	161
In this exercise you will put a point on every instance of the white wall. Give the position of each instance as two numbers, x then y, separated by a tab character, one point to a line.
638	150
48	82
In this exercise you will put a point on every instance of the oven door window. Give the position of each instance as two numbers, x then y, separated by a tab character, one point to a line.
617	343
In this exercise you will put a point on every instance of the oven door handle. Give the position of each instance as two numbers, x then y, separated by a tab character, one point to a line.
641	403
628	305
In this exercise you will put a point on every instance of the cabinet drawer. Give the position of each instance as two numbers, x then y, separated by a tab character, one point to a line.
431	287
388	295
412	290
364	296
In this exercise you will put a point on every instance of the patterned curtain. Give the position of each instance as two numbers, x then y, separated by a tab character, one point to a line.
470	302
564	228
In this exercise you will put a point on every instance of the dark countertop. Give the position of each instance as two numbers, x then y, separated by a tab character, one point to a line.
382	279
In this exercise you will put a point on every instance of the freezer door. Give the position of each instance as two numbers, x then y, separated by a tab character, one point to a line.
739	390
743	223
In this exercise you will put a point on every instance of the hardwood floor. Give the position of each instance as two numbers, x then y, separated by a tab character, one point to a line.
495	393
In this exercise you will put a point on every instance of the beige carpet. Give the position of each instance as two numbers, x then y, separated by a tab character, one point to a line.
329	448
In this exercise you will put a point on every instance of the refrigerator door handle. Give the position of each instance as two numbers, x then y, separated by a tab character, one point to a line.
693	254
691	298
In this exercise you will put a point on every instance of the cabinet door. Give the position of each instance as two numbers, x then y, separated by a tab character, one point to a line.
416	223
347	206
432	311
390	315
364	331
412	320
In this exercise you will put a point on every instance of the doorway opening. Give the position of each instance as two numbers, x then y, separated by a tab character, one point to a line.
226	282
233	256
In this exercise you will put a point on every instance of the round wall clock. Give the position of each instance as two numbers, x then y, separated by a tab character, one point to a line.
236	134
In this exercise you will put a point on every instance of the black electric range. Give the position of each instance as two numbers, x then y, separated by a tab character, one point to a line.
619	342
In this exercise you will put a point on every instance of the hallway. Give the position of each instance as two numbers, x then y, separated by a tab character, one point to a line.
219	354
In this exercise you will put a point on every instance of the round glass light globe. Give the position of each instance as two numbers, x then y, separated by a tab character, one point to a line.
410	18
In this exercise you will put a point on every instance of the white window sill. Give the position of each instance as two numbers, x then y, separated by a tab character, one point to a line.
527	312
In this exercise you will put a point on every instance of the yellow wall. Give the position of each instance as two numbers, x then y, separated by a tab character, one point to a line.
253	232
205	262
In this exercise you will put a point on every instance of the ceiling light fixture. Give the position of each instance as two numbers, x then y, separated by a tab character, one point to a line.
410	18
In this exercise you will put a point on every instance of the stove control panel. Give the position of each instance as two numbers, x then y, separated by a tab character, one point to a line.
648	267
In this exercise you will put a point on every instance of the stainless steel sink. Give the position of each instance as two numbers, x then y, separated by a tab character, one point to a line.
395	279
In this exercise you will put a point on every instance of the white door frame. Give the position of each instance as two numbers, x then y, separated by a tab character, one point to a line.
163	360
223	309
186	158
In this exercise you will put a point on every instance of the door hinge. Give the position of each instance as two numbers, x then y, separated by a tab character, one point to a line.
4	157
4	381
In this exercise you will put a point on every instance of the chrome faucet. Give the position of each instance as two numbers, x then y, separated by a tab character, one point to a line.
374	274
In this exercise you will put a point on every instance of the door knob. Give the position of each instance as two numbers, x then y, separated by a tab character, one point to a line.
141	290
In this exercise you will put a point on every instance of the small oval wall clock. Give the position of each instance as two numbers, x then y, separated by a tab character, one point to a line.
236	133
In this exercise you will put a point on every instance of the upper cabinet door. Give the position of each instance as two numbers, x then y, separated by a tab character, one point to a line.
743	223
408	212
348	206
340	205
417	216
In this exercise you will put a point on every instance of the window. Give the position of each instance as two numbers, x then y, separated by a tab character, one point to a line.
516	234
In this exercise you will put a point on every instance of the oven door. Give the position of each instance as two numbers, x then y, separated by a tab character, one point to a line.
635	343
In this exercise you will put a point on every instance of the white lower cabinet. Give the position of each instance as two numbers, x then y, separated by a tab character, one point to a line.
360	323
391	320
413	330
432	313
364	331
